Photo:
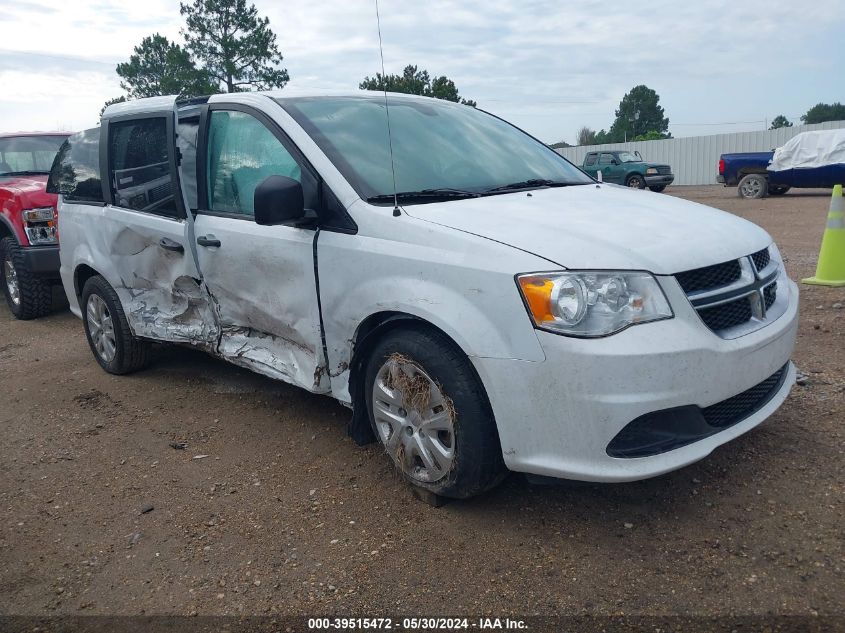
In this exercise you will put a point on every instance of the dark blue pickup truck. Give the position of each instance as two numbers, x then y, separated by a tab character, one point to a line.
808	160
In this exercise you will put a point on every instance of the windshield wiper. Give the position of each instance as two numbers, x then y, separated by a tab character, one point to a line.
442	194
532	184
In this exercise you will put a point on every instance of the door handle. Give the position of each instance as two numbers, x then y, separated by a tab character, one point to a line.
208	240
169	245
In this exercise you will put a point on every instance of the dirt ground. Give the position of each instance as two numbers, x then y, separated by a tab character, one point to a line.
99	514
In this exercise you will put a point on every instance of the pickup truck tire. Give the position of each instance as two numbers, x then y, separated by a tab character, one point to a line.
429	409
778	190
658	188
635	181
27	296
753	186
114	346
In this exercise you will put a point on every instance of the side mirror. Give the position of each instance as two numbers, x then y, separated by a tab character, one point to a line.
278	200
613	161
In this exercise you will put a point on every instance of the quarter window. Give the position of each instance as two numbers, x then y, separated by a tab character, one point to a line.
139	168
76	170
242	153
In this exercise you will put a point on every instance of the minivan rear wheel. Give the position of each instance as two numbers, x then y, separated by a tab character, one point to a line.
429	410
111	341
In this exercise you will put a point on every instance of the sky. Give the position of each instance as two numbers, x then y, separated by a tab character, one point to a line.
548	66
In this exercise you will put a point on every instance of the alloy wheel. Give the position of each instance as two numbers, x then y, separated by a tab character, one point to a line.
11	277
101	328
751	188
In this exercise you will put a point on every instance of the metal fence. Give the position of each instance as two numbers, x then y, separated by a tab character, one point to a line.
695	159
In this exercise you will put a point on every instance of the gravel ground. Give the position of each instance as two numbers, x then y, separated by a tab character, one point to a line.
272	509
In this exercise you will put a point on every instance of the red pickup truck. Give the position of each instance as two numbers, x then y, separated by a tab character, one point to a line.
29	242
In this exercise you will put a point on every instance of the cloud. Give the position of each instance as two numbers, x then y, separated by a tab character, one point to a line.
548	66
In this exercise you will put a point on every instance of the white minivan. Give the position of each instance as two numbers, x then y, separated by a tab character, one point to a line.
479	302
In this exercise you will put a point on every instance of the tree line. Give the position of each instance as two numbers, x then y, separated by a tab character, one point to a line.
819	113
640	117
228	47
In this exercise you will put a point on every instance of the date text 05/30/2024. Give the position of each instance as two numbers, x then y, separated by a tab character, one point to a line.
416	624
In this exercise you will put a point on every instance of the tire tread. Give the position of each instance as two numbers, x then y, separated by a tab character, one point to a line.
36	294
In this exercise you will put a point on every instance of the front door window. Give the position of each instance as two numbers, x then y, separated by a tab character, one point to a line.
242	152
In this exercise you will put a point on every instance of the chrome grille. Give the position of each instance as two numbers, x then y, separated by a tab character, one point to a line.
735	297
770	295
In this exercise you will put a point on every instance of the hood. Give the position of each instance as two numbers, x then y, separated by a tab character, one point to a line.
603	227
30	190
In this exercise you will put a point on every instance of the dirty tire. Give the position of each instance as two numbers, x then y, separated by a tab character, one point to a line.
477	463
778	190
130	353
658	188
635	181
753	186
33	297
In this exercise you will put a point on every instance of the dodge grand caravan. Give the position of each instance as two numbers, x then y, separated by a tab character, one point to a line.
480	303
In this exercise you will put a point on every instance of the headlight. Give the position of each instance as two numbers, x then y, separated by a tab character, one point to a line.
40	225
592	303
651	171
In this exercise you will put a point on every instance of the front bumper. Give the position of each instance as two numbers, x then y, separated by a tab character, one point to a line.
659	180
42	261
556	418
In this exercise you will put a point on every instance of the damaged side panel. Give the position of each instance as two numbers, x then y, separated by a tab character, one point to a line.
182	315
267	354
261	280
158	288
362	276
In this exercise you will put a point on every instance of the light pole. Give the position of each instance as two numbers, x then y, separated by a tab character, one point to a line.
632	120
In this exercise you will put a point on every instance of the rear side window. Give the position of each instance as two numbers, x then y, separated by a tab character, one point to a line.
76	169
139	166
591	159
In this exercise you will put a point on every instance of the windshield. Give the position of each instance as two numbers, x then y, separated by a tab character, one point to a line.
437	145
28	154
628	157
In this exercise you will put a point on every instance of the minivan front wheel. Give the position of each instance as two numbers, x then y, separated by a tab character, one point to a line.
111	341
431	414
